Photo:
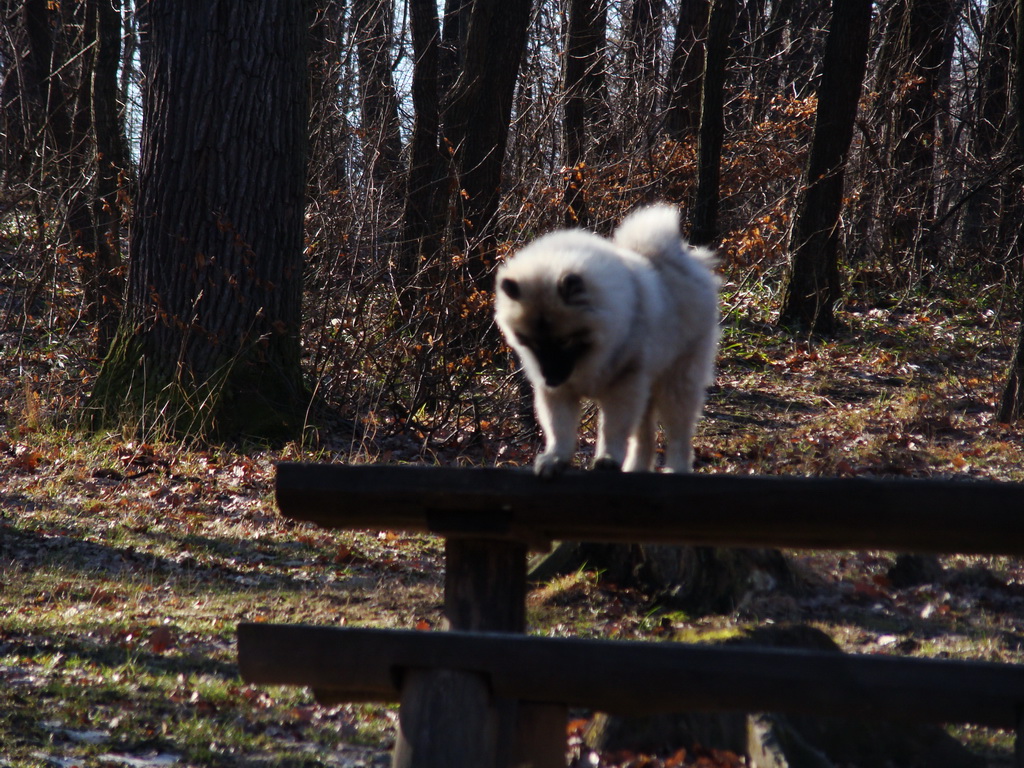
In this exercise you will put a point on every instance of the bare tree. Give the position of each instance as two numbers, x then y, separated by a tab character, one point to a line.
422	229
704	219
642	80
378	100
686	68
785	51
476	119
813	286
913	62
104	283
1011	404
209	342
583	83
485	39
65	142
989	228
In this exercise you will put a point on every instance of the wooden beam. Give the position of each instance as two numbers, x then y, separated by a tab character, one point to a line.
970	517
637	678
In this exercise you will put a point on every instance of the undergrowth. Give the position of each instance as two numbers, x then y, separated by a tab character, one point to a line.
127	559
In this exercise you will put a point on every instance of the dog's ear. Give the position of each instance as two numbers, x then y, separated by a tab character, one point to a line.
511	288
572	289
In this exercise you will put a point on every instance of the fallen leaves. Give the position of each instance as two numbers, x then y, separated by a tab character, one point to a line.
698	757
161	639
25	459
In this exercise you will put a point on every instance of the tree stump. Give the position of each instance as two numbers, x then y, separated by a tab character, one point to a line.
698	580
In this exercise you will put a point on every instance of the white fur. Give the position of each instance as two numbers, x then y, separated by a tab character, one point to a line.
649	312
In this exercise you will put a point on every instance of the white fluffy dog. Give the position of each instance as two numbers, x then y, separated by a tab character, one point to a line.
630	323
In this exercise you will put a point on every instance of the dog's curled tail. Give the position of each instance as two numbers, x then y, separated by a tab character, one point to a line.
653	232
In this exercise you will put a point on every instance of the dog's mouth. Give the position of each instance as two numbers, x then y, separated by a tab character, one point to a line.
557	356
557	362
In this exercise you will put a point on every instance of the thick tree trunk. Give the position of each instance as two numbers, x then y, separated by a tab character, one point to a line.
686	68
704	220
210	337
1011	405
813	286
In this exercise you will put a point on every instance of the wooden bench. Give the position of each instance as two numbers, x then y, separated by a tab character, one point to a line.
484	694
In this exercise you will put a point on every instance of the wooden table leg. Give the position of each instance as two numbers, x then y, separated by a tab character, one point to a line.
485	591
447	719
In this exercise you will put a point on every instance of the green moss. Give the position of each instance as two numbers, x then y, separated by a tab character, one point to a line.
256	394
709	634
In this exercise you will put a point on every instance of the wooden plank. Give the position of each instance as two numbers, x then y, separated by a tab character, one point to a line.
636	678
715	510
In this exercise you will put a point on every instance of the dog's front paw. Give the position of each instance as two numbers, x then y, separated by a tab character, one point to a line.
549	465
607	464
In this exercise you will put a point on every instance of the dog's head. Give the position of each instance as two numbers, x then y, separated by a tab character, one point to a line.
545	318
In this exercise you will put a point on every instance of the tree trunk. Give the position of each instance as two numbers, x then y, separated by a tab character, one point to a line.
421	219
643	42
328	172
378	101
44	88
686	68
476	121
813	286
1011	404
209	343
704	220
994	103
912	60
787	53
582	82
70	127
992	203
464	90
112	171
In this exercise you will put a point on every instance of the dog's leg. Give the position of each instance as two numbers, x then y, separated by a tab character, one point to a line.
679	415
622	409
641	454
558	412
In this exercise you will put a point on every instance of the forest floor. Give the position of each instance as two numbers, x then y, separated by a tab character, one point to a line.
126	564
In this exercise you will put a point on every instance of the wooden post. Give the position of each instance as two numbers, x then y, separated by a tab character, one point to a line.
1018	741
485	585
485	591
446	719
